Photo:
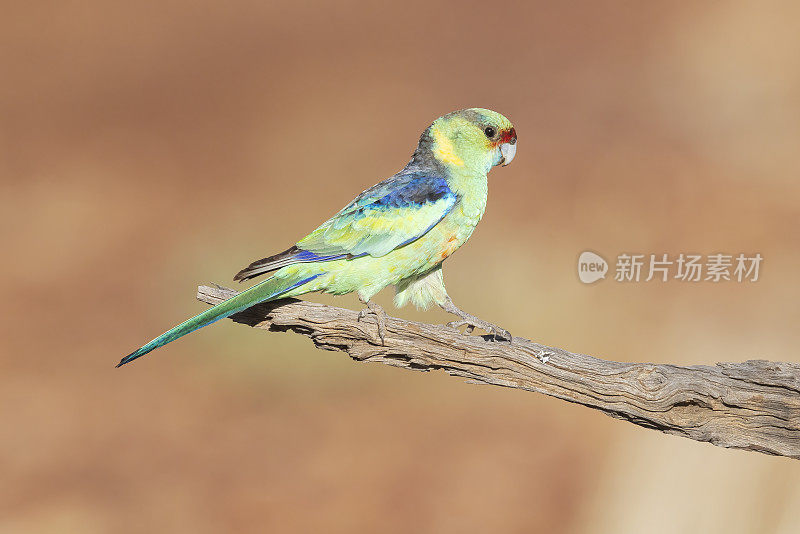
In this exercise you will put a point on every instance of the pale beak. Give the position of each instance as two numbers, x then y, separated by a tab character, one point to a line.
507	153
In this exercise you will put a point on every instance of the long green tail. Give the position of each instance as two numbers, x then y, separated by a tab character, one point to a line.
266	290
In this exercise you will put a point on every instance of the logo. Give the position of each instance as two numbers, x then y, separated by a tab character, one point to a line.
591	267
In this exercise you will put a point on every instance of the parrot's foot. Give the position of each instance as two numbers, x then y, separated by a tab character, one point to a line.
380	317
472	322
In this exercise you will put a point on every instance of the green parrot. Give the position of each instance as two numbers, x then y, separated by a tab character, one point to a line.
398	232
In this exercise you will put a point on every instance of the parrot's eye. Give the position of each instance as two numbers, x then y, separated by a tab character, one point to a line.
489	131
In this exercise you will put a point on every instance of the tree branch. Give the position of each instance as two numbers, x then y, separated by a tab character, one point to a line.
754	405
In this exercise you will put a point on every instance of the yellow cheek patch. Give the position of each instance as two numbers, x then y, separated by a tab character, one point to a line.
444	150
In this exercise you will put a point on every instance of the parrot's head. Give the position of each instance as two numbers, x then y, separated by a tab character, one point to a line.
476	139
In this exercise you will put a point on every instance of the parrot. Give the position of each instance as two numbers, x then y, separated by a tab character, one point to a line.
396	233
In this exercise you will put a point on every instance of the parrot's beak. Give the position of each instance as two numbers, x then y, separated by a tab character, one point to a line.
507	153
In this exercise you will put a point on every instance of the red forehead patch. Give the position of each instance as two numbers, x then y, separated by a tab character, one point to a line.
508	136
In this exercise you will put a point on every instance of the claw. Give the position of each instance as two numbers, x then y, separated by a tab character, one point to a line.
473	322
380	318
499	333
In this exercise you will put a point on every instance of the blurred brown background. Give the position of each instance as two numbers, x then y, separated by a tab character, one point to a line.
149	147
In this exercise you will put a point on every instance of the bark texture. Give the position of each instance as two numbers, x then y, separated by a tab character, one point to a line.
753	405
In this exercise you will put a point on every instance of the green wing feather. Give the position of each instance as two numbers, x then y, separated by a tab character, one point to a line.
387	216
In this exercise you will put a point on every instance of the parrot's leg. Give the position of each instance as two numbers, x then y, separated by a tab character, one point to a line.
473	322
380	316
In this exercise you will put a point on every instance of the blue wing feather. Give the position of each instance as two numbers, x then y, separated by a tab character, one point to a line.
386	216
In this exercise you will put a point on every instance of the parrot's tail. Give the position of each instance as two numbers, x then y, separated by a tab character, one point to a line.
269	289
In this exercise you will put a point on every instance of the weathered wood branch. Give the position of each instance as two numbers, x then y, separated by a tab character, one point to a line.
753	405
